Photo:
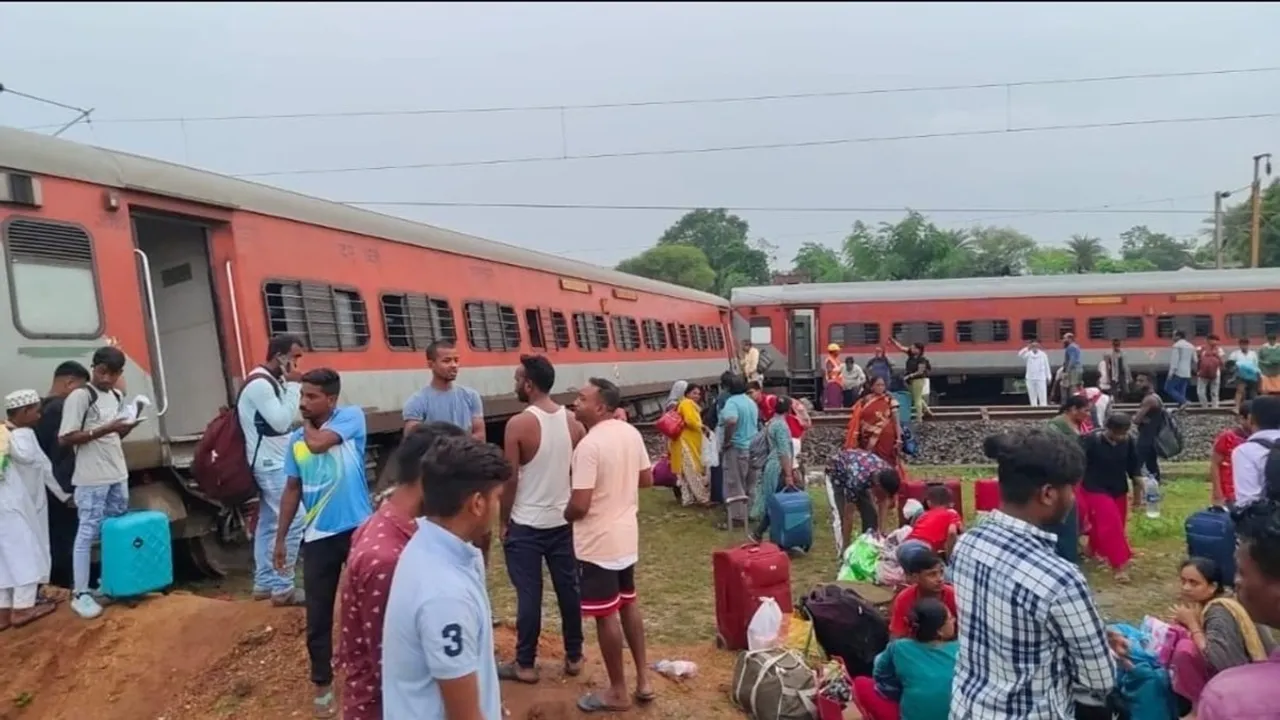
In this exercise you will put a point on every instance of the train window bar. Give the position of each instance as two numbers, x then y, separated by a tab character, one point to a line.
1125	327
1196	326
559	329
413	321
1253	324
491	326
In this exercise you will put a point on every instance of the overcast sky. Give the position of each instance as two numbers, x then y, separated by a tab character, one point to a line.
157	60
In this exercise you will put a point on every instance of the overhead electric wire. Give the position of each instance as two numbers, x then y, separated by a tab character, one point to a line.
767	97
765	146
767	208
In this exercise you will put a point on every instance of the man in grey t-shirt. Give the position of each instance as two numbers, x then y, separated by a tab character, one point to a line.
442	400
91	425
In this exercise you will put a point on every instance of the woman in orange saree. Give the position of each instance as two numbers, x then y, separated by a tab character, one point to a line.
874	425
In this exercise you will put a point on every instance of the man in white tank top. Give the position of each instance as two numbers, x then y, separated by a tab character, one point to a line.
540	442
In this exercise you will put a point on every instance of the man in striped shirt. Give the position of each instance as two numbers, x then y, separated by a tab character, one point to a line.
1032	645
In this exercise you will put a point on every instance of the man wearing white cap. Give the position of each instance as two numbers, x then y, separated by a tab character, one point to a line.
24	551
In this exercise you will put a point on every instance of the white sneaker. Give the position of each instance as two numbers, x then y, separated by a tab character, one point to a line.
85	606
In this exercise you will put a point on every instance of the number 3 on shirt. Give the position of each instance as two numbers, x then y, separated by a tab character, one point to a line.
452	633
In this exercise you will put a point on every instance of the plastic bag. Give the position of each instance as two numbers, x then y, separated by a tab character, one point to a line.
800	639
860	559
765	630
710	451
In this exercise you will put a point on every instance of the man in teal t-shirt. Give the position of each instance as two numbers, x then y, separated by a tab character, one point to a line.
740	419
324	464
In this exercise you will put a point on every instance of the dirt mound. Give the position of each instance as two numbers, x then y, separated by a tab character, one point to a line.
188	657
124	665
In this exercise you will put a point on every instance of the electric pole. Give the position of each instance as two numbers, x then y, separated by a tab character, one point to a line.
1218	197
1256	200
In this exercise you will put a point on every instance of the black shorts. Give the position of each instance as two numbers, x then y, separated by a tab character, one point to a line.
605	591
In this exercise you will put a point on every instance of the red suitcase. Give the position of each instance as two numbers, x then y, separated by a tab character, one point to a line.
986	495
914	490
743	575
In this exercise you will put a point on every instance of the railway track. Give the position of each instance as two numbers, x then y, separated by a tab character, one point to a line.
969	413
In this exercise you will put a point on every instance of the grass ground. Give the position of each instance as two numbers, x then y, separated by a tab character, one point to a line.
674	575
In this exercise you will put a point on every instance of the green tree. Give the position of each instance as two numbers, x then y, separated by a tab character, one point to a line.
1164	252
1000	251
1088	251
679	264
723	240
910	249
1051	261
819	263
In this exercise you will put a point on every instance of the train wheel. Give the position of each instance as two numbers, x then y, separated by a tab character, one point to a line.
207	555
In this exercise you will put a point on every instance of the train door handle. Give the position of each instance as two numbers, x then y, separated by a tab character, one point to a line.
159	379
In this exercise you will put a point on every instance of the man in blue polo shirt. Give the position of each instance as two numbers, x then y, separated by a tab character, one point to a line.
437	638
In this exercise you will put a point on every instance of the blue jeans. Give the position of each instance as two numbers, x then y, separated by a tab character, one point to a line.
1176	388
526	549
265	576
93	505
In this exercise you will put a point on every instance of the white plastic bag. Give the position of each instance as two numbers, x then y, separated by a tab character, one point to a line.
710	451
765	630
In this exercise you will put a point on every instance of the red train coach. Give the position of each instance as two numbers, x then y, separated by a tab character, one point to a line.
973	328
190	273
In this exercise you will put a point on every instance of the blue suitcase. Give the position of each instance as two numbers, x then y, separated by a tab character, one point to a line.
1211	534
791	519
137	554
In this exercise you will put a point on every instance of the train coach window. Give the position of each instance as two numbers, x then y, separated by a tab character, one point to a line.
328	318
591	331
855	333
684	335
674	335
492	326
626	335
1253	325
918	332
655	338
1050	330
1126	327
413	321
717	338
42	255
696	338
1196	326
559	329
982	331
533	323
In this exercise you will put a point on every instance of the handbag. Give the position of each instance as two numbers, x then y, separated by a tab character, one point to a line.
671	424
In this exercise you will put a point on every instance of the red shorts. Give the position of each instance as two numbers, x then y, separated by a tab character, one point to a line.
605	591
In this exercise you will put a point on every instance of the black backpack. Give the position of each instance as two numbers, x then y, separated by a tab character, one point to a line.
847	626
93	401
1270	469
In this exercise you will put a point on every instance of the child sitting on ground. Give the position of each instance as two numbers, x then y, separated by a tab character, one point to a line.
940	525
924	570
888	568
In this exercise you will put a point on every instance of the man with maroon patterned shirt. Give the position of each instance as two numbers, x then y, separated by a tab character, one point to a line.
375	548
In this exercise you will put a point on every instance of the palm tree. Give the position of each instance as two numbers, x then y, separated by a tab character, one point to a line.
1087	252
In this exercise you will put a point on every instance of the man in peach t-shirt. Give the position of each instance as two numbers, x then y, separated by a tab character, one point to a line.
610	465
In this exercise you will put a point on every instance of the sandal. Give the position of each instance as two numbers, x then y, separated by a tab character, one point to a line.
36	613
513	672
593	703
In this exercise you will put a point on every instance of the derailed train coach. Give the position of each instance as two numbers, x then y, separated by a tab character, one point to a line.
973	328
190	273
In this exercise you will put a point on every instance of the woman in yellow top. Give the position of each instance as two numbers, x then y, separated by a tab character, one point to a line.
686	450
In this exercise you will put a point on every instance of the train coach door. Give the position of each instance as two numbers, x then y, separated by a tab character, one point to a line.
182	324
802	341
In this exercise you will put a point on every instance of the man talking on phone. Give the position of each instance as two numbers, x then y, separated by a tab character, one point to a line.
267	406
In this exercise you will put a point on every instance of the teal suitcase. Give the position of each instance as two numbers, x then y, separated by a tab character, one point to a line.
137	554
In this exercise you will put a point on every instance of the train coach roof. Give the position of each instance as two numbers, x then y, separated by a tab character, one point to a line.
45	155
1179	281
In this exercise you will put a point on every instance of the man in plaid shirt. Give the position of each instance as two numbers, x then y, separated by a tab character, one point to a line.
1032	644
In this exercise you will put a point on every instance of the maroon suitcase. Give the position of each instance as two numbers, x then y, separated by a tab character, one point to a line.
914	490
743	575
